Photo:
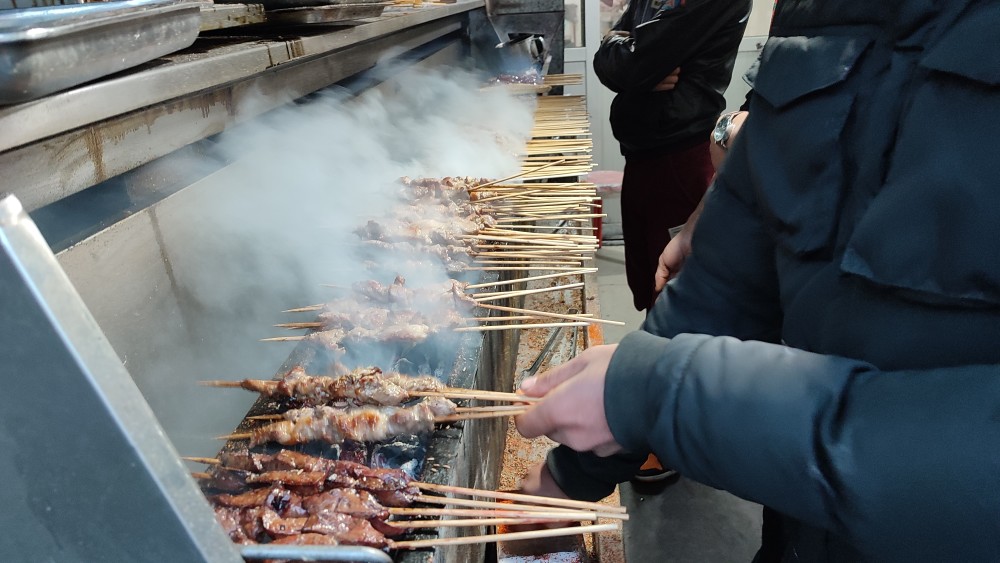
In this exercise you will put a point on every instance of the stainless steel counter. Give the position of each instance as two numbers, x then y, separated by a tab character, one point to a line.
58	145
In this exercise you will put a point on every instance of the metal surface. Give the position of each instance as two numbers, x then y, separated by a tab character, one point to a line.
89	474
283	4
215	62
326	14
315	553
48	49
17	4
533	369
214	16
208	90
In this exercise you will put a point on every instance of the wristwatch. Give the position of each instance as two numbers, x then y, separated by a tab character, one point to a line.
723	130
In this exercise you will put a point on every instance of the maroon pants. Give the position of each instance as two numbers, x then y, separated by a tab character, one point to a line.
658	192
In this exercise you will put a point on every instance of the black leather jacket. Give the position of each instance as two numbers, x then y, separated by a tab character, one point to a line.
830	349
699	36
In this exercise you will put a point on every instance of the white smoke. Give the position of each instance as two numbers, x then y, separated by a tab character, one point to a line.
265	233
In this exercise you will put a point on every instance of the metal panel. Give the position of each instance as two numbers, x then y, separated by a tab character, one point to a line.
45	172
89	474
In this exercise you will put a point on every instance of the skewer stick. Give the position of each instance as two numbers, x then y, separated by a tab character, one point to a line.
548	314
516	292
471	416
533	534
486	513
283	339
536	499
491	408
447	501
236	436
519	268
305	309
497	296
541	519
458	393
294	326
205	460
490	328
221	383
502	196
500	181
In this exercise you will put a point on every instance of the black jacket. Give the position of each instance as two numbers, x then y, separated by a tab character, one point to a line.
832	347
699	36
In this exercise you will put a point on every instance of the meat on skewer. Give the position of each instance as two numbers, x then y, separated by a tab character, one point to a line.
362	386
310	474
334	426
342	514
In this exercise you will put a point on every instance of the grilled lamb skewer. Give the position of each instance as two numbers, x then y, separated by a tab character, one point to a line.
362	386
347	516
309	474
335	426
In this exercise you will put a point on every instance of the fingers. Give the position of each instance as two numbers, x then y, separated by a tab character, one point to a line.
540	385
536	422
669	82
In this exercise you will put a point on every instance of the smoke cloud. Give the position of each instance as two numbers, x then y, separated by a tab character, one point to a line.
265	233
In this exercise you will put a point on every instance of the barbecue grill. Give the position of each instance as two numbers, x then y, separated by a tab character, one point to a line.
104	335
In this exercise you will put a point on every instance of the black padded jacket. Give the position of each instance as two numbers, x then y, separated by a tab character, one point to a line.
699	36
830	349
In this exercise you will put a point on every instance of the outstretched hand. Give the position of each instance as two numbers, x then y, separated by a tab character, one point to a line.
572	412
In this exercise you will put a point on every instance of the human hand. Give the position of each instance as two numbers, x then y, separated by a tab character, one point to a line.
672	258
669	82
572	411
539	481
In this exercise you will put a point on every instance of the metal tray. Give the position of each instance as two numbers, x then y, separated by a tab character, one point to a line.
326	14
44	50
286	4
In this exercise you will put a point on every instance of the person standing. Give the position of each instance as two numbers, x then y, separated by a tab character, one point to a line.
829	348
662	118
669	63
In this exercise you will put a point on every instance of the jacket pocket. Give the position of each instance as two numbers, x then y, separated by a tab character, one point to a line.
796	163
934	228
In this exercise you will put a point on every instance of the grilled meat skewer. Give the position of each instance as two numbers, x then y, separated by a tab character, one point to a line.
334	426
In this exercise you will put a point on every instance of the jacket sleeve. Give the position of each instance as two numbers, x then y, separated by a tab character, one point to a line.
898	463
655	48
730	291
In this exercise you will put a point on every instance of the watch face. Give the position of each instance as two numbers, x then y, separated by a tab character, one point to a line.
719	133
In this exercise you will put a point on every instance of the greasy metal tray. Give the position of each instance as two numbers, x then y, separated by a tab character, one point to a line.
44	50
285	4
326	14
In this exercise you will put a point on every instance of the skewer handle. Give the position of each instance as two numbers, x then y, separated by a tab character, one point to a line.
534	534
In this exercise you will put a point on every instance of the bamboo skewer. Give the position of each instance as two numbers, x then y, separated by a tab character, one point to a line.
531	278
536	499
436	523
534	534
447	392
521	498
481	186
510	512
521	292
461	412
490	328
548	314
448	501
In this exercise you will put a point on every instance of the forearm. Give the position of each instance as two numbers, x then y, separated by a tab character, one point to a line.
830	441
